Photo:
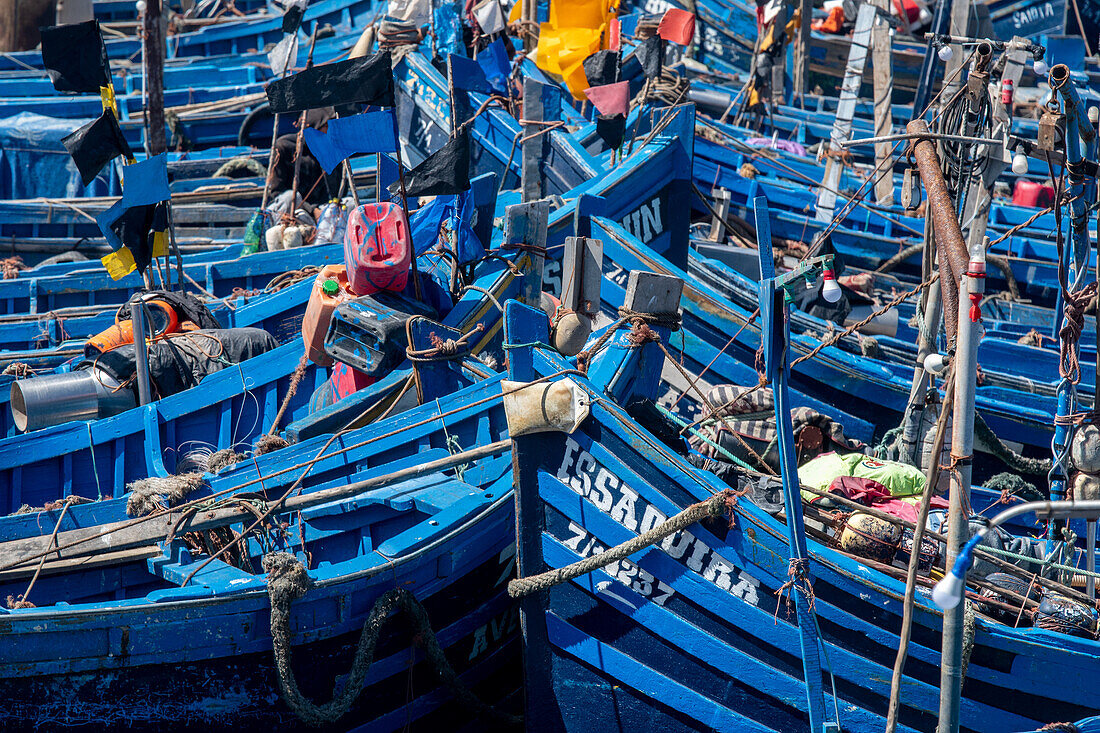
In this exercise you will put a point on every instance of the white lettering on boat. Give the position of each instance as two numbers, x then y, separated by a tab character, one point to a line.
492	634
625	571
645	222
1024	17
581	472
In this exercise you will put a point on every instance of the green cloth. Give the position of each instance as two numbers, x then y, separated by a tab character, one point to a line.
900	479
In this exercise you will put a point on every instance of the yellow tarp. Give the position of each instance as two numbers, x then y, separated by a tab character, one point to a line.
576	30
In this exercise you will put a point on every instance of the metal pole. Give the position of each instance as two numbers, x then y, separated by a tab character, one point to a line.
1078	255
926	344
962	448
141	353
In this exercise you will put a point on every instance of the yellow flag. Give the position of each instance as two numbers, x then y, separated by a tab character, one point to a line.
575	31
119	263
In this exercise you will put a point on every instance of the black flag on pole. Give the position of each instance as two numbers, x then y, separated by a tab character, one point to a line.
651	54
95	145
367	80
75	57
141	230
446	171
602	68
292	17
611	129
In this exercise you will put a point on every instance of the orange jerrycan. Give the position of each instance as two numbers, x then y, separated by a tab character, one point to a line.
330	289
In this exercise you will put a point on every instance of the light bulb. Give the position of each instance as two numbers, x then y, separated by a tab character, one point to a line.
830	291
141	6
925	16
1041	68
934	363
945	53
1019	164
949	591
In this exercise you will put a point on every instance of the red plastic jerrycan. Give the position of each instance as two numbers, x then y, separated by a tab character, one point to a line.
378	248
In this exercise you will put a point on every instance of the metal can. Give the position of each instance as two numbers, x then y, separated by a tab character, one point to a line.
1006	91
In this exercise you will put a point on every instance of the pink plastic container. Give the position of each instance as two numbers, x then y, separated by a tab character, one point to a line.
1030	193
378	248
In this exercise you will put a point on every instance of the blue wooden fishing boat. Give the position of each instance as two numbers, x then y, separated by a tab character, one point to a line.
391	510
692	631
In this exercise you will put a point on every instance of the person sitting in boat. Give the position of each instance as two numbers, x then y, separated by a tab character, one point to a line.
313	185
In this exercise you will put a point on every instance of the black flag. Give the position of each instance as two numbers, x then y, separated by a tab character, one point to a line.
367	80
602	68
651	54
138	228
95	144
611	129
75	57
445	171
292	18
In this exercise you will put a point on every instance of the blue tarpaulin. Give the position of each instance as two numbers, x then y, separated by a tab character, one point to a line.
34	163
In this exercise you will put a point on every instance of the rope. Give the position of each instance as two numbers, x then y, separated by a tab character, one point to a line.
969	618
18	369
718	505
444	349
893	303
1070	333
288	581
291	389
1012	459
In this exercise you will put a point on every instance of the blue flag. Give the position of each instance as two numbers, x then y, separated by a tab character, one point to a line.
494	62
467	75
146	182
370	132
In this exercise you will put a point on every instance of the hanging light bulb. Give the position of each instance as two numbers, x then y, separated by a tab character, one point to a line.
1019	163
1041	67
830	291
945	53
934	363
925	16
140	6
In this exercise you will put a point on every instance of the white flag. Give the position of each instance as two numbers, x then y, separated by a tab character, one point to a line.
489	16
418	12
283	56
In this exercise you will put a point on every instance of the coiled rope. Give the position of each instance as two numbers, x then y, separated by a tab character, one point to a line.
288	581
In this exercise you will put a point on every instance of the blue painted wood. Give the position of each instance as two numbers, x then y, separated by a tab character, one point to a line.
776	334
612	480
446	540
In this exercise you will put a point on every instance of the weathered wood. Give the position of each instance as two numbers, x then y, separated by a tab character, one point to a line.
846	108
882	41
720	215
802	51
959	26
131	533
154	29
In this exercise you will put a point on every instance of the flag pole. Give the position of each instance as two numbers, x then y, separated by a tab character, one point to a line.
301	130
405	206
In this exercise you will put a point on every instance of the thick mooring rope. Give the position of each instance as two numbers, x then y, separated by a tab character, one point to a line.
288	581
716	506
